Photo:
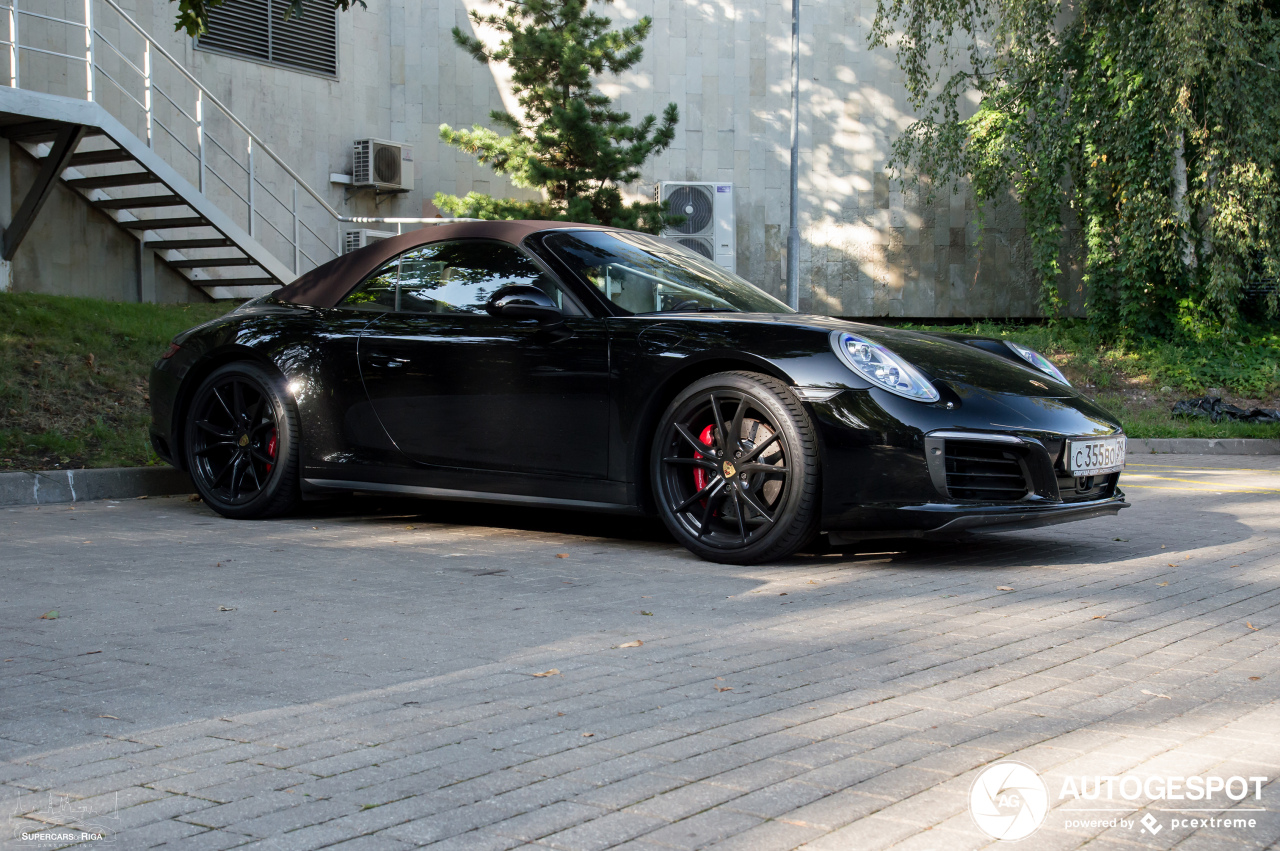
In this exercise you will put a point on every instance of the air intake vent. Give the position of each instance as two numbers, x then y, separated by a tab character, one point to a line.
257	30
984	471
386	166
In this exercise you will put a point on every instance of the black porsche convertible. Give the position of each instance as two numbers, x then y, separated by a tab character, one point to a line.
593	368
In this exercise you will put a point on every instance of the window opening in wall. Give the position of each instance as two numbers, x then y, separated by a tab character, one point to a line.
257	30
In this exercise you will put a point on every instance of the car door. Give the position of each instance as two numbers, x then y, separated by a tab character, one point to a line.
456	387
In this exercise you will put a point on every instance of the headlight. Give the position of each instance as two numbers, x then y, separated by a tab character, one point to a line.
882	367
1037	360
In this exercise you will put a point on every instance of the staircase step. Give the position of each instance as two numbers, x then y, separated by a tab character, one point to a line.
133	178
34	131
165	224
113	155
138	202
209	262
178	244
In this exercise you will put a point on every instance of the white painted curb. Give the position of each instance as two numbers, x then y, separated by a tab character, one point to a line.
57	486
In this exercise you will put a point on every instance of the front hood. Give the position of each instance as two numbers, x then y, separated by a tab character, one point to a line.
963	368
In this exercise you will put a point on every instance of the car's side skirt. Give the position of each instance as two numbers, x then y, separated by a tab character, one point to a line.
471	496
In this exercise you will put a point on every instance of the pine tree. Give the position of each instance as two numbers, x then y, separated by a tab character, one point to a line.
569	142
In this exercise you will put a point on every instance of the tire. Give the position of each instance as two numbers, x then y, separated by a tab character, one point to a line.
763	512
242	442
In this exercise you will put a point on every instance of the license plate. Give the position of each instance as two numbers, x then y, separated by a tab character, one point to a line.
1095	457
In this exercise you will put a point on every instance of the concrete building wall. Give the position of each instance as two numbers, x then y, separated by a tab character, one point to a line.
871	248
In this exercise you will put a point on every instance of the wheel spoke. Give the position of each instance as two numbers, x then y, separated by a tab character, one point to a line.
237	476
223	472
205	450
735	428
737	509
237	401
765	469
705	520
262	456
257	482
217	394
705	493
715	413
692	462
755	451
205	425
746	494
683	431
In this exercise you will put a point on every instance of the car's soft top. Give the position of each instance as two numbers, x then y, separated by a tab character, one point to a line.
325	285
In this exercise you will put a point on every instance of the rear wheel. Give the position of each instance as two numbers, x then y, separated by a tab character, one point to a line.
735	469
242	442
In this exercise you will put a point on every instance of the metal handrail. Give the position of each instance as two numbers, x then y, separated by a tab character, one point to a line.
204	99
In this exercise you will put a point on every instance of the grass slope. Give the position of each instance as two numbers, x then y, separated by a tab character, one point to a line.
73	378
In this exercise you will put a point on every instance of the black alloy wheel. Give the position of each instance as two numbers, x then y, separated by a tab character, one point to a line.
735	469
242	442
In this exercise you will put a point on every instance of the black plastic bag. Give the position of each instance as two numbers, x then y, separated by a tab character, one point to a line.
1213	408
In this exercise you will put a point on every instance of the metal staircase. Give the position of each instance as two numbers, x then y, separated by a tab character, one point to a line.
157	152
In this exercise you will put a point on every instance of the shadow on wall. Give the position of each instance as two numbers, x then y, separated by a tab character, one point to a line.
871	247
74	249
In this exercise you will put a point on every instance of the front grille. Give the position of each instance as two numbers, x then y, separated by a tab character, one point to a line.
1073	489
984	471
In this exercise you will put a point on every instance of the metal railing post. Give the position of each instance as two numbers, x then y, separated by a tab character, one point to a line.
146	90
297	234
13	43
200	134
251	182
88	49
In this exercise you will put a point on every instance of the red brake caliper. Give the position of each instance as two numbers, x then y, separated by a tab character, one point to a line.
699	474
271	449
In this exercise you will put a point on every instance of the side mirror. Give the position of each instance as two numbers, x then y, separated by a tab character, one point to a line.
521	301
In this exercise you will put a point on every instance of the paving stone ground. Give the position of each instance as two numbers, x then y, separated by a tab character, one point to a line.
377	675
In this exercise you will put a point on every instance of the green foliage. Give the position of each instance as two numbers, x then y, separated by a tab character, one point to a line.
73	378
568	141
193	15
1153	123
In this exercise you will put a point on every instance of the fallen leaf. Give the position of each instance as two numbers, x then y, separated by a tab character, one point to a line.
783	594
226	608
195	497
721	679
142	497
1003	588
647	614
1125	540
1161	584
1246	623
1162	546
562	555
560	714
1097	617
1153	694
724	688
1235	565
91	653
813	582
410	527
1173	565
51	615
1252	678
587	735
636	643
553	672
112	717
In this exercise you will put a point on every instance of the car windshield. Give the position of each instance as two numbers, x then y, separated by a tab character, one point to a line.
643	274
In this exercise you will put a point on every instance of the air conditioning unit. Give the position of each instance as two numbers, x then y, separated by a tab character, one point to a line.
709	226
354	239
383	165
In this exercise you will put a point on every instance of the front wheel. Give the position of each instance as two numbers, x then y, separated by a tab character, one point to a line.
242	442
735	469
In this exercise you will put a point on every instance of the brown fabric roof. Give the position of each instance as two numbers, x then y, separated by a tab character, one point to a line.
325	285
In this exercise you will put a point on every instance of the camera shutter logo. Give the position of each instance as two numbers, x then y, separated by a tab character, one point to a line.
1008	801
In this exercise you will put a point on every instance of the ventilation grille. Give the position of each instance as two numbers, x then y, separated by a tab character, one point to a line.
697	205
983	471
702	246
1084	489
254	29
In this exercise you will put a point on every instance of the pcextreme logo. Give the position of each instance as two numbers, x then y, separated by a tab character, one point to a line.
1008	801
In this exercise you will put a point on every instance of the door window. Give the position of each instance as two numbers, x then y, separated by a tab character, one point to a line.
452	277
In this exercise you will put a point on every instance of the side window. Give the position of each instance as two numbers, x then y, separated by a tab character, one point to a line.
452	277
378	291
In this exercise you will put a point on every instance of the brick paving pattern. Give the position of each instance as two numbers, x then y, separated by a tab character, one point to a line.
374	675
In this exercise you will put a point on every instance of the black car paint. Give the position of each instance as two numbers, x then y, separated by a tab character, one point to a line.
564	413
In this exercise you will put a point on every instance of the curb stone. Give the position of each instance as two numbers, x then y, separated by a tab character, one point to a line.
1203	446
58	486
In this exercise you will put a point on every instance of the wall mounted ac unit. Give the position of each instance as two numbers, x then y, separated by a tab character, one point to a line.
709	227
384	165
353	239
